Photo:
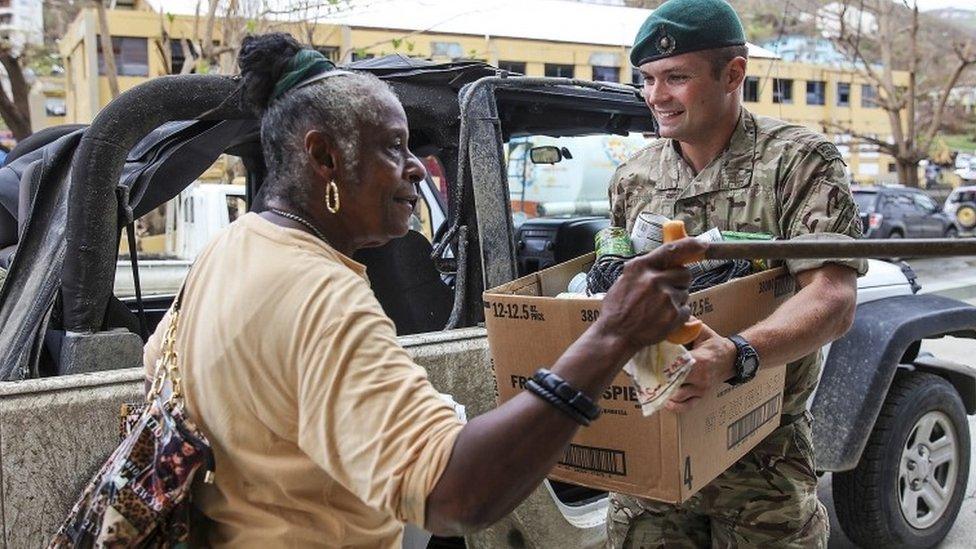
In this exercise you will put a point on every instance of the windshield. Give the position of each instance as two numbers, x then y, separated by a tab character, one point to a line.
576	184
865	201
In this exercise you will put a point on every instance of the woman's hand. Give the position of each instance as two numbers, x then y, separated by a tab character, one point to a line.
650	298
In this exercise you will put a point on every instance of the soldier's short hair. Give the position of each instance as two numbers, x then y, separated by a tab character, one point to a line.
718	58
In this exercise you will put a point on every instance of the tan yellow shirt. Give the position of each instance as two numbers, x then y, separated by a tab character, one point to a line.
325	432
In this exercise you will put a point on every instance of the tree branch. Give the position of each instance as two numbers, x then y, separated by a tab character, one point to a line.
967	58
15	111
108	49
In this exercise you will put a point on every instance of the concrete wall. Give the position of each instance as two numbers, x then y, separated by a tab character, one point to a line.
56	432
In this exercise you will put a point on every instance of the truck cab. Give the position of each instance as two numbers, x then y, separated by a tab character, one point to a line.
70	347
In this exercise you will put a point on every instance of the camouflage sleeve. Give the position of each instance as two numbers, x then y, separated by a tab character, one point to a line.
618	201
817	204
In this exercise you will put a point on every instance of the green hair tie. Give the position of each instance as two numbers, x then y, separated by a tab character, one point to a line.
302	66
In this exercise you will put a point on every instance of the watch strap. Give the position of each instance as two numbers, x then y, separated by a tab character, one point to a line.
743	351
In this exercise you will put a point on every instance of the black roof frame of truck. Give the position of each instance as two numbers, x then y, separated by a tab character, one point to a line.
492	108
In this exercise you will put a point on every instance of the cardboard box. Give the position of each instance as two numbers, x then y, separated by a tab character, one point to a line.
666	456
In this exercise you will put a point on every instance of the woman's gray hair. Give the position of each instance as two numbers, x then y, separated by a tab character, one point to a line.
339	106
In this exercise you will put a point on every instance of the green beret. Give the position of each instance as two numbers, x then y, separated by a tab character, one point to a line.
682	26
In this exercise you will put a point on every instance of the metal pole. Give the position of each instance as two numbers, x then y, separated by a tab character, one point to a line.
841	249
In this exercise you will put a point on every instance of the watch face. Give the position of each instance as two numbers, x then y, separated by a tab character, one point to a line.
750	365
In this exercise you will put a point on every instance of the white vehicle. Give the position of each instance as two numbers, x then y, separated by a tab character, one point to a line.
575	182
189	221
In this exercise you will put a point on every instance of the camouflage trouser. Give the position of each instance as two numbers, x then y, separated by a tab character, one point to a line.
766	499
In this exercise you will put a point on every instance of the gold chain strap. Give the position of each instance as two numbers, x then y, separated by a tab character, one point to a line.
167	366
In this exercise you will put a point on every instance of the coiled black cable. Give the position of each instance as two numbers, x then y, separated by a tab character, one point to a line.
604	273
608	268
735	268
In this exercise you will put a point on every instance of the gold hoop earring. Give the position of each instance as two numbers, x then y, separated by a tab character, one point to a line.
332	197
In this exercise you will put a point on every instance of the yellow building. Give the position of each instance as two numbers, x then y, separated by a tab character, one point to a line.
534	37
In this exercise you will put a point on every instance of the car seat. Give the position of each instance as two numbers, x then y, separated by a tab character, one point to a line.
407	285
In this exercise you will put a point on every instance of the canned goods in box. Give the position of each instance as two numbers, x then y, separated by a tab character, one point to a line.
648	232
613	241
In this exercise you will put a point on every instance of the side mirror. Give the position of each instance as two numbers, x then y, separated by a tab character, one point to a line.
545	155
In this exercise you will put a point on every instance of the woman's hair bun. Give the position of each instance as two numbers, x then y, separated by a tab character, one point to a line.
262	60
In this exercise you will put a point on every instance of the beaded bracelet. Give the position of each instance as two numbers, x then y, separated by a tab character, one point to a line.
551	398
569	394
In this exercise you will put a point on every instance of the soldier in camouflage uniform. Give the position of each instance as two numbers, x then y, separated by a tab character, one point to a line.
718	165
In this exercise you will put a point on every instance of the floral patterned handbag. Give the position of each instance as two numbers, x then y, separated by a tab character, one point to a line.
141	495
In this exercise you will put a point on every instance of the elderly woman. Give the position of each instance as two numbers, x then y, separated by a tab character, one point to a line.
325	432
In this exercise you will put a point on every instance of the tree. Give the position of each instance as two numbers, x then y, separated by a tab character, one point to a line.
108	49
880	37
14	106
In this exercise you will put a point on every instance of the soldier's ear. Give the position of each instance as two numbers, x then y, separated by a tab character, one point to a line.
735	74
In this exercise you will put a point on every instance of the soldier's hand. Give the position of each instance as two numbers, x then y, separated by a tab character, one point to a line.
714	363
650	298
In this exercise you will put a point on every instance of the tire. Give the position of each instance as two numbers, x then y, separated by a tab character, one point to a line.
895	233
871	500
966	217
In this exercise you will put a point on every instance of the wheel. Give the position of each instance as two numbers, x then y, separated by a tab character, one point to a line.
951	232
966	217
909	485
895	233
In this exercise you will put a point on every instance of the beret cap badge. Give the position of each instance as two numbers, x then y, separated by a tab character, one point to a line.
665	43
677	27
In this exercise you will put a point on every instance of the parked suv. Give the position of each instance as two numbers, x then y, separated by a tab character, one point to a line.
901	212
961	206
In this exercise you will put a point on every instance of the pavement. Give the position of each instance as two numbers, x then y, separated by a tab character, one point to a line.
956	278
953	277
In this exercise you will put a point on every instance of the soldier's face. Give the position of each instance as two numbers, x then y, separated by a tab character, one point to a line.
684	96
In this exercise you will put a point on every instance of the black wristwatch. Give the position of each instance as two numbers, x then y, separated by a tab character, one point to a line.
746	361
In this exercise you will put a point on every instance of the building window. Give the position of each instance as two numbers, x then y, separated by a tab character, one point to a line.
131	56
55	107
636	77
330	52
450	50
176	56
750	89
869	96
782	90
4	4
843	94
892	168
606	74
816	92
559	71
512	66
6	18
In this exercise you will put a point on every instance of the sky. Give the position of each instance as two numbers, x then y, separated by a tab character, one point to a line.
925	5
186	6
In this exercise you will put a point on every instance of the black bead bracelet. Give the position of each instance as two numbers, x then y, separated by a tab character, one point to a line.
569	394
551	398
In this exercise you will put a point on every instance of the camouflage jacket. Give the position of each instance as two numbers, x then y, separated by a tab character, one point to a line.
774	178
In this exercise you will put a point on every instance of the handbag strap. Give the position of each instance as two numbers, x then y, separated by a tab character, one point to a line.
130	230
167	365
